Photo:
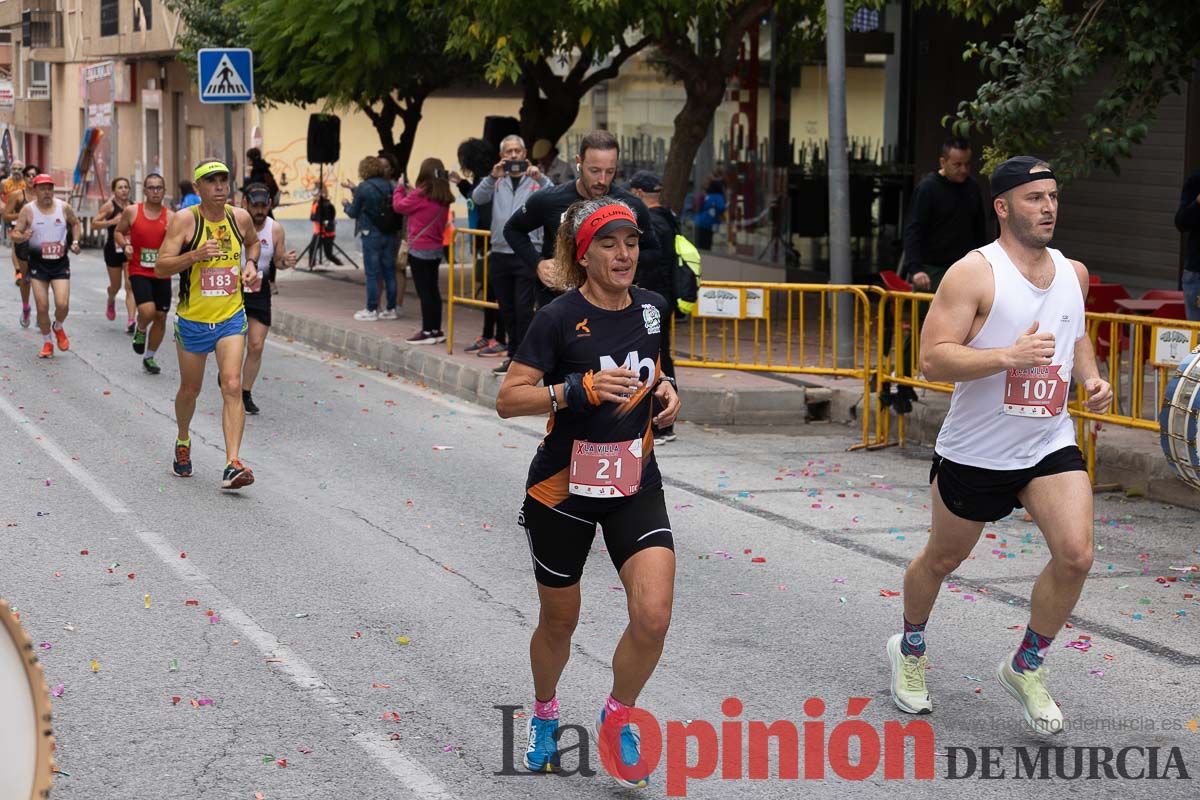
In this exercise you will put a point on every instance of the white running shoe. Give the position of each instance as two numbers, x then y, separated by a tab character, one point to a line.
908	679
391	313
1029	688
366	315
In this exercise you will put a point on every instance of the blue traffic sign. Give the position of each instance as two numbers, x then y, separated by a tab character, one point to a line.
226	75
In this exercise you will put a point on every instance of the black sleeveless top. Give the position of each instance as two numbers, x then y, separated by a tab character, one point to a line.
112	256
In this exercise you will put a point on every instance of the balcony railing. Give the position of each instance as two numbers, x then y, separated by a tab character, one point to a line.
41	28
40	92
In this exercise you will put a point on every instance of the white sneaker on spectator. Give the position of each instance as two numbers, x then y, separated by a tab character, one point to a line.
366	315
391	313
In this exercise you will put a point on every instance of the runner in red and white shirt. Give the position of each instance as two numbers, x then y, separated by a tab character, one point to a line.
44	224
140	233
1007	326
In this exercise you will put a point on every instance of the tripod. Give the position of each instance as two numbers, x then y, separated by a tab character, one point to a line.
315	250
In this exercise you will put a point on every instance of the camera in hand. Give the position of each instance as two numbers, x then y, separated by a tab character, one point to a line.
516	167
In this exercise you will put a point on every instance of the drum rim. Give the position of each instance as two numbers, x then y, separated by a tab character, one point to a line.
43	774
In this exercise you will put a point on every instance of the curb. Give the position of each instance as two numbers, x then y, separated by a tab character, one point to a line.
432	366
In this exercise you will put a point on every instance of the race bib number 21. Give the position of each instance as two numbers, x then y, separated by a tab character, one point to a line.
606	469
1035	392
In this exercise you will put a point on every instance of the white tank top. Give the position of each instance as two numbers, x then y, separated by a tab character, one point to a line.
48	228
266	240
1016	418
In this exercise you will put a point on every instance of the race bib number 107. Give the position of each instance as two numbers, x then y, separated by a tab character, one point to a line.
1035	392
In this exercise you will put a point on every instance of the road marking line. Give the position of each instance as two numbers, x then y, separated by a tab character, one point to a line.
411	773
74	468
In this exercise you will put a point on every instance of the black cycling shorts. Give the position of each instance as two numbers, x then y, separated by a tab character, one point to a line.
987	495
151	290
559	542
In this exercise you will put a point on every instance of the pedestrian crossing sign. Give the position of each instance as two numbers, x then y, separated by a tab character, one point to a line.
226	75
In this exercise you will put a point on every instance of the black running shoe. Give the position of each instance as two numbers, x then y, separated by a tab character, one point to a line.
236	475
248	402
503	368
139	342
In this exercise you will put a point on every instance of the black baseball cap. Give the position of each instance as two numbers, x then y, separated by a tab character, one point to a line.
1018	171
257	193
646	180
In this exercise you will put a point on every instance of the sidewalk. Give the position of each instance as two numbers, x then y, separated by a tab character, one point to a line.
317	309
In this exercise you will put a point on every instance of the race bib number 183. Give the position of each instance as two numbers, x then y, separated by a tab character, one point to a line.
218	281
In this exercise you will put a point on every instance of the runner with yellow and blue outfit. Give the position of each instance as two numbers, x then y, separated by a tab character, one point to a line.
204	246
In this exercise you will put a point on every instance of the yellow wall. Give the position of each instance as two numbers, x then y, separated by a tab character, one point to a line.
445	122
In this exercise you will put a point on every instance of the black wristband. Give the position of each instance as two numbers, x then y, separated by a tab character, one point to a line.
574	393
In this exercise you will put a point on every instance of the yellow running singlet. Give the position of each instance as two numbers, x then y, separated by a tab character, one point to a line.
211	291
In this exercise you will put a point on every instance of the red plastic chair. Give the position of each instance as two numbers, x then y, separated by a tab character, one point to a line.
893	282
1163	294
1102	299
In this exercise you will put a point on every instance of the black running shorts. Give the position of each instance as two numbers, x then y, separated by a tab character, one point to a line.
57	270
986	495
559	542
151	290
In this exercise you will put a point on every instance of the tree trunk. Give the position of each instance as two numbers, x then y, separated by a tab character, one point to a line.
384	121
691	126
550	116
411	115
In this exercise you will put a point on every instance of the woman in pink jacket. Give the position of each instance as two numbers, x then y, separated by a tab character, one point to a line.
426	207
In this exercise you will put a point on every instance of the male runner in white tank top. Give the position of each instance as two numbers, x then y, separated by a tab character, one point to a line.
1007	326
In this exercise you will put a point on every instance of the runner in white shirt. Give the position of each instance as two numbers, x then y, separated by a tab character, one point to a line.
1007	326
44	224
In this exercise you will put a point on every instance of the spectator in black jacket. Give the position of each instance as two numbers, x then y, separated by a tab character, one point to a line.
596	167
475	158
660	276
946	221
1187	220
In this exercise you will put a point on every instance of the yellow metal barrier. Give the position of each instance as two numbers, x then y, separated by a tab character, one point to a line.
766	327
468	275
1124	345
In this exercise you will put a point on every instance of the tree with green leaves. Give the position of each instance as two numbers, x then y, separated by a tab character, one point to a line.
384	57
556	58
1143	50
698	44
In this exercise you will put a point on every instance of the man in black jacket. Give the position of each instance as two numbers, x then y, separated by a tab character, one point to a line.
659	277
596	167
946	221
1187	220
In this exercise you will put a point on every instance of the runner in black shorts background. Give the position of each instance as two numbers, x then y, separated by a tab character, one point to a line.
595	349
257	297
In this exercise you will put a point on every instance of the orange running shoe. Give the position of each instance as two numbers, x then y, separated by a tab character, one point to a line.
63	342
47	351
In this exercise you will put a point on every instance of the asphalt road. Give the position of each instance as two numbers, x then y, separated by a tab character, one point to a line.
362	608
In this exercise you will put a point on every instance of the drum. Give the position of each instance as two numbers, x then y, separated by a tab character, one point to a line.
1177	422
26	740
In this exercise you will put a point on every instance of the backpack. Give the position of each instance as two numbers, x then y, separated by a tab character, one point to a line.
386	220
686	277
